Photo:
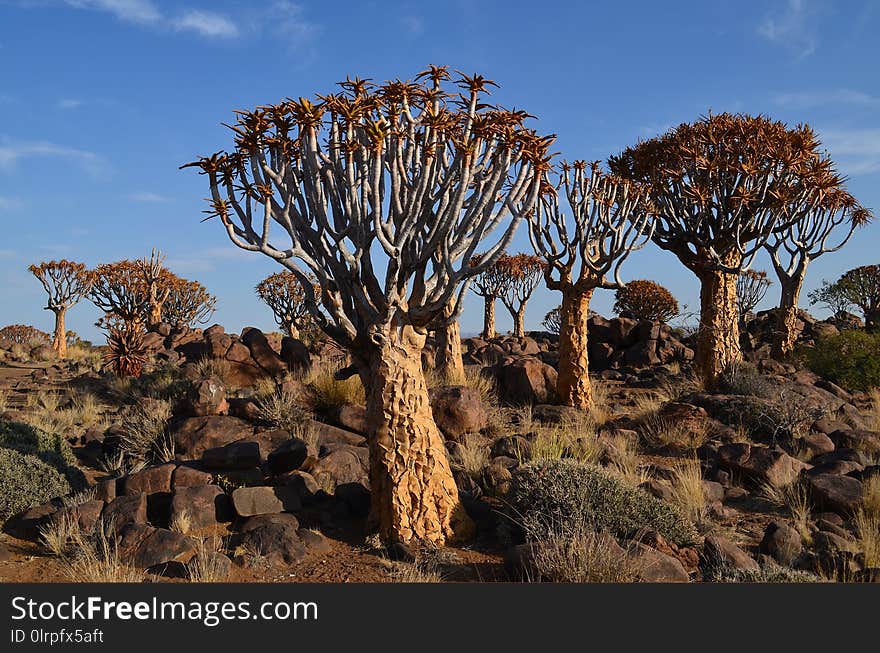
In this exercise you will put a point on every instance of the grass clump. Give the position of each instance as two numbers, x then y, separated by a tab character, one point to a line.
687	490
330	393
548	492
768	573
144	436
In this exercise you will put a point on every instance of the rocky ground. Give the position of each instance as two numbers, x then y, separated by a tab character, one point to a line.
239	457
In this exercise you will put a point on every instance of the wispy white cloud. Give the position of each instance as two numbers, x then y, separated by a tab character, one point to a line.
791	27
856	151
282	19
69	103
12	153
139	12
206	23
840	96
9	204
147	197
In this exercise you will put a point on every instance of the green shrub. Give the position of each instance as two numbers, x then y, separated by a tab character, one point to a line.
850	359
27	481
51	448
545	493
743	378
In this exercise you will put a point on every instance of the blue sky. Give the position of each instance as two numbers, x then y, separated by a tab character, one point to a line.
102	100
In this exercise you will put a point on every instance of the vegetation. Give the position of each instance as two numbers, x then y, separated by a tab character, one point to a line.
520	275
850	359
646	300
545	492
283	293
66	282
751	288
26	481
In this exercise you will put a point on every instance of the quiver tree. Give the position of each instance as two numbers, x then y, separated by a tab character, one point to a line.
646	300
861	286
751	287
24	334
448	361
283	293
120	290
66	282
488	285
187	304
833	296
826	226
719	188
521	274
552	319
581	250
403	176
158	281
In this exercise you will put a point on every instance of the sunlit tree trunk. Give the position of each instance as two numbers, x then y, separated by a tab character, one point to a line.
785	329
413	493
155	317
489	316
573	383
59	342
519	321
448	361
718	334
292	329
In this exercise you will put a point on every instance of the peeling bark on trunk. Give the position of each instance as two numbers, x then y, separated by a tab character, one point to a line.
489	317
519	322
784	332
573	383
448	361
59	342
718	335
155	318
413	493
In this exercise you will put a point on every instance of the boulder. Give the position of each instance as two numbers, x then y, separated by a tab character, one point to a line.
458	410
350	417
345	464
202	505
195	435
275	537
718	550
126	510
328	435
524	380
243	454
295	355
162	547
657	567
149	480
262	353
207	397
760	464
781	542
263	500
185	476
840	494
289	456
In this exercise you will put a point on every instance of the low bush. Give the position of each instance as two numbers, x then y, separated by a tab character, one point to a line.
51	448
27	481
850	359
548	492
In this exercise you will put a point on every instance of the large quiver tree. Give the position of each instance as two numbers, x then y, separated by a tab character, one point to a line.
66	282
719	188
187	304
404	176
120	290
825	227
584	245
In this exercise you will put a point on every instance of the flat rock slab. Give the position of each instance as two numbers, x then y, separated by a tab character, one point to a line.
262	500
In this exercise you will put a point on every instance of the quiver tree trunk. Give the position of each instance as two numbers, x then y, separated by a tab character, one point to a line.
573	383
291	329
413	494
154	319
519	321
59	341
718	334
489	316
448	362
785	320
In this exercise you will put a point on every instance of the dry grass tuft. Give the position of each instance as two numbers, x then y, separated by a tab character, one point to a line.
330	393
283	409
218	368
687	490
206	565
472	454
144	435
872	415
88	557
623	459
677	436
415	572
181	522
794	500
575	554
